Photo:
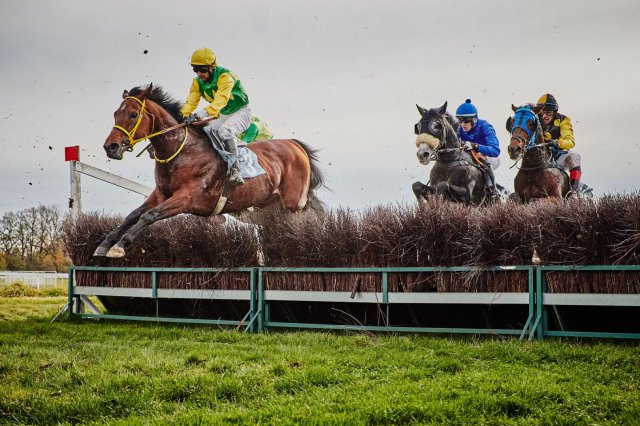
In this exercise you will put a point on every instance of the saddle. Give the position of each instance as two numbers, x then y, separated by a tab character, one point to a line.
479	160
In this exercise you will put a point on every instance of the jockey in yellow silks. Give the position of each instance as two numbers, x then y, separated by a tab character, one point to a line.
228	104
558	132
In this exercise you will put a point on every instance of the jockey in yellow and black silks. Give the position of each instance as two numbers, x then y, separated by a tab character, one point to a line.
558	132
228	103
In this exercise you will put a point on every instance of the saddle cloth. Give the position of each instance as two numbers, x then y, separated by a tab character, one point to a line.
247	160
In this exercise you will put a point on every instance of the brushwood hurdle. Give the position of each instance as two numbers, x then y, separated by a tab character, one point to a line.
540	311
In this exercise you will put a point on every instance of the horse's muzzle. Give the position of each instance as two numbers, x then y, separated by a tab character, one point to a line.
514	152
423	154
114	150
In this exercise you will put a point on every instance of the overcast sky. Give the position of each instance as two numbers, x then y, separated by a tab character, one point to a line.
343	76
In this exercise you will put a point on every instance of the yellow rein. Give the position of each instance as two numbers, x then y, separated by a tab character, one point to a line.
131	133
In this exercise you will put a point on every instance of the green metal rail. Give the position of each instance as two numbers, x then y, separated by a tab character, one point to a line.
539	302
76	293
549	302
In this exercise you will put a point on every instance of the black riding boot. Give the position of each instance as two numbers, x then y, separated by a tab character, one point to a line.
234	174
490	183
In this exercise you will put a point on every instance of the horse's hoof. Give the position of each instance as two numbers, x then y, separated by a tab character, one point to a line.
100	251
115	252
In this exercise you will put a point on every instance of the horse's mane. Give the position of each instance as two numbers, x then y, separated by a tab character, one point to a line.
452	120
166	101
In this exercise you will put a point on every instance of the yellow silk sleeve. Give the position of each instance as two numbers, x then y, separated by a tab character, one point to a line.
566	140
193	99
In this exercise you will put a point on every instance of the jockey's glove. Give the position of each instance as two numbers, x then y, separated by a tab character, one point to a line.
468	146
553	143
190	119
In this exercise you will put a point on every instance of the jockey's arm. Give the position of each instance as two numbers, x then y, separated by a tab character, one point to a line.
222	96
193	99
492	147
566	140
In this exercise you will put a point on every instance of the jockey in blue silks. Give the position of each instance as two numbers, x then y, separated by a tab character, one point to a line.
479	136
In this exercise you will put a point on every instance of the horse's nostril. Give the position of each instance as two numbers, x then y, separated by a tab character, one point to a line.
111	147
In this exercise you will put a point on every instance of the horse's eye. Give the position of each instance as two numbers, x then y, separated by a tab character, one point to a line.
416	129
133	115
435	127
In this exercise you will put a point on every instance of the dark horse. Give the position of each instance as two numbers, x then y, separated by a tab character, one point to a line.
190	176
454	174
537	177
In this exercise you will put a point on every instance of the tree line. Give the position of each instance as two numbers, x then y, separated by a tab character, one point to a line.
31	239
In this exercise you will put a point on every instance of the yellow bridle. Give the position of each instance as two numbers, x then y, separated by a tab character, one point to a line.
131	134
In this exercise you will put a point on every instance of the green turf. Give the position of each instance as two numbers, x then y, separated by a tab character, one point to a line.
123	373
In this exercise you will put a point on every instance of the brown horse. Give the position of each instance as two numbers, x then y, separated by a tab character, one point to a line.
537	177
190	175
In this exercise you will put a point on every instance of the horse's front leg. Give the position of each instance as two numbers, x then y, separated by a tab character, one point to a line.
178	203
421	191
132	218
457	193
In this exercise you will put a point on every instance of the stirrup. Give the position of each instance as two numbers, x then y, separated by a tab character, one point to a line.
572	194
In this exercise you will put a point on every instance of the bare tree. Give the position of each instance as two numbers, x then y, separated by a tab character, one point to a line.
31	234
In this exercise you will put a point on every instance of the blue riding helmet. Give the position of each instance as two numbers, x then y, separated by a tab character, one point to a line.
467	110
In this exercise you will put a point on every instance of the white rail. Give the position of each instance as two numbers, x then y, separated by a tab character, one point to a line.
33	278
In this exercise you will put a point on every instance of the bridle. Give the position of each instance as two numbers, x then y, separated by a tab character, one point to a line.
440	149
131	133
522	115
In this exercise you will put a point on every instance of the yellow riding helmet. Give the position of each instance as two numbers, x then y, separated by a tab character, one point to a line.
203	56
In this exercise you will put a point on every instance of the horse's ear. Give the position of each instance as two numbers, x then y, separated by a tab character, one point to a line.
509	122
125	94
514	108
537	109
443	108
146	92
421	110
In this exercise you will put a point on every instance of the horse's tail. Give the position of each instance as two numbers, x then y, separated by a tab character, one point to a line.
317	177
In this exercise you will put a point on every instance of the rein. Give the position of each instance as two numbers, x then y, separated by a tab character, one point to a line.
130	134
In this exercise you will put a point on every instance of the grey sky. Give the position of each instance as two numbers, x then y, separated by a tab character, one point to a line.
344	76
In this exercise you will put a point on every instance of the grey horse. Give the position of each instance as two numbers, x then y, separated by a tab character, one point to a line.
454	175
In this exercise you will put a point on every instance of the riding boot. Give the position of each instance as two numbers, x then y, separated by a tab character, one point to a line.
574	180
234	175
491	184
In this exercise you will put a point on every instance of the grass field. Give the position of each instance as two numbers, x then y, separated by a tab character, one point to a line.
122	373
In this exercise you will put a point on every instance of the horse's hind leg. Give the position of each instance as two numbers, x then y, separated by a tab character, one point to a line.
294	191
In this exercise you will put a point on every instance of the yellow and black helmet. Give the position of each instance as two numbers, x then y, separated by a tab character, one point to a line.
547	102
203	56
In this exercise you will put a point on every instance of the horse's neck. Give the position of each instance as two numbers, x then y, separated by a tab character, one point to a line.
535	157
450	150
